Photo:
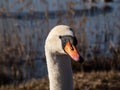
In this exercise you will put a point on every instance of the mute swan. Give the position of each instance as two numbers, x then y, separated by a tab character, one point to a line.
59	45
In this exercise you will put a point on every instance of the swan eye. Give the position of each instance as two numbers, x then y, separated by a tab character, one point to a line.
71	29
60	37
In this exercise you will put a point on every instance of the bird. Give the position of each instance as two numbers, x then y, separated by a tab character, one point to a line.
60	48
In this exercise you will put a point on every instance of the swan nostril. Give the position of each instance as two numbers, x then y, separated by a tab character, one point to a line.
72	48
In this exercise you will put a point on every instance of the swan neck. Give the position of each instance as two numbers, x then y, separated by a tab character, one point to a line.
59	72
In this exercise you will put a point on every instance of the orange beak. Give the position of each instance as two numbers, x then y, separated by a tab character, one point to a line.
72	51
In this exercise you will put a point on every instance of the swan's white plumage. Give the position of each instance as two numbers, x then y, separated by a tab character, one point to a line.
58	63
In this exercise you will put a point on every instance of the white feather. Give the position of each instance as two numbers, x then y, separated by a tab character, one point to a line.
58	63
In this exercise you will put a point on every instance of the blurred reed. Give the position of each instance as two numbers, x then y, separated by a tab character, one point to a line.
22	39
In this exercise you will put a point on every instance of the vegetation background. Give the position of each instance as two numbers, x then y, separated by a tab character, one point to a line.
24	25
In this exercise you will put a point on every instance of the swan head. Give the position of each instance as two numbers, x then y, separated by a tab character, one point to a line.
62	40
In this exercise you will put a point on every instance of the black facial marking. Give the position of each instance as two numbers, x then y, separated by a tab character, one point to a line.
75	41
66	38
